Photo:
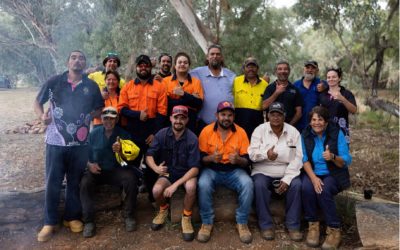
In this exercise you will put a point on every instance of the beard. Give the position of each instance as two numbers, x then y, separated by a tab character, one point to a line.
143	74
309	77
215	64
225	124
165	69
178	127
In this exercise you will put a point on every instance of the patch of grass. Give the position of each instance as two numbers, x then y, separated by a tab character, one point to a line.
377	120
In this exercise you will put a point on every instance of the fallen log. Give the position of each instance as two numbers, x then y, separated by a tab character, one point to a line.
24	210
386	106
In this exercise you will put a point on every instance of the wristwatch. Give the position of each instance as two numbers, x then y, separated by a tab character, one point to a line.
333	157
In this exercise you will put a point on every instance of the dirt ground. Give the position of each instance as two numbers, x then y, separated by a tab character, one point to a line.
375	166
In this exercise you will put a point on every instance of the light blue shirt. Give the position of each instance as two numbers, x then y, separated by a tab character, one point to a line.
320	166
216	89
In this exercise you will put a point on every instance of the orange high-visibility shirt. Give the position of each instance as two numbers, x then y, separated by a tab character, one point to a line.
137	96
210	141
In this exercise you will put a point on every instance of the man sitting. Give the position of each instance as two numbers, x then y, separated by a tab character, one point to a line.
174	155
275	150
223	147
103	168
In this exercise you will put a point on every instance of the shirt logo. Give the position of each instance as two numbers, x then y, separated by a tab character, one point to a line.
85	91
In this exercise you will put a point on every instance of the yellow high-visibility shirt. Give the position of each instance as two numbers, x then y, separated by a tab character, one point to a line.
98	77
247	96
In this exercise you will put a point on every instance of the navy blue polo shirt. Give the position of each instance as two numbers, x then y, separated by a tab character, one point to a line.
70	109
179	155
100	147
310	100
290	98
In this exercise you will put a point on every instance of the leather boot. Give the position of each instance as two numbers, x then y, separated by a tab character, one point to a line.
312	239
333	238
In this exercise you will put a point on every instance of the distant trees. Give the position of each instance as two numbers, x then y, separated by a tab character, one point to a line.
364	32
360	36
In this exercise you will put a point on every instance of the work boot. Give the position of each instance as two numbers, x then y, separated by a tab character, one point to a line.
187	228
76	226
295	235
89	230
332	240
268	234
244	233
204	234
46	233
159	220
130	224
312	239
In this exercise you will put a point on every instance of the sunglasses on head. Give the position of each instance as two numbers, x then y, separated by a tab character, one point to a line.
112	54
106	112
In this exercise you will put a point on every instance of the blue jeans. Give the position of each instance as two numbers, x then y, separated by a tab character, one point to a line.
237	180
262	190
63	161
325	200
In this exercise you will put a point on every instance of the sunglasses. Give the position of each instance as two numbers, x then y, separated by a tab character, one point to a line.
106	112
112	54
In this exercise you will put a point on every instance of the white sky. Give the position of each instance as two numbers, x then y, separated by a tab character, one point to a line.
283	3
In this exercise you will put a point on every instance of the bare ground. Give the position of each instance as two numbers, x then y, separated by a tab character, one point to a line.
375	166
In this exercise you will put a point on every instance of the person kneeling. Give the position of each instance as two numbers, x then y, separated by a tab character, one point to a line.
275	150
175	157
103	168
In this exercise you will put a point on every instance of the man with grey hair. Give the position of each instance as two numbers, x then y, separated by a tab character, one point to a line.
309	86
283	91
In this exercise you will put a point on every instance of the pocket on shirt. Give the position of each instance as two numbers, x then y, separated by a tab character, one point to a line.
133	99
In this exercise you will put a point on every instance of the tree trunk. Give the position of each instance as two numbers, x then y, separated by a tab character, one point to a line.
389	107
201	33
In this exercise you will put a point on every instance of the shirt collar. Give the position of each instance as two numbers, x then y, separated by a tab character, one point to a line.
247	81
189	77
284	130
221	74
171	134
233	128
164	75
150	80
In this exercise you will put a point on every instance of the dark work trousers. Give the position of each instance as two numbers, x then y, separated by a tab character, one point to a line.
119	176
326	200
149	176
263	190
69	162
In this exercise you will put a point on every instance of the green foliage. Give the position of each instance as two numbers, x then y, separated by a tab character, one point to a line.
377	120
362	28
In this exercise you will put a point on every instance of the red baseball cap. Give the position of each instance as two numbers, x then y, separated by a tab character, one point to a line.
180	110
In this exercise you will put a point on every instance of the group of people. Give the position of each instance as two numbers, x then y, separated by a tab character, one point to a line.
197	129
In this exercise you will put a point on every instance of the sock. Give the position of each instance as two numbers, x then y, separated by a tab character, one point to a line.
164	207
187	213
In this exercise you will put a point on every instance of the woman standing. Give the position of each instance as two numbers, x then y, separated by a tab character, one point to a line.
338	100
110	92
326	159
184	89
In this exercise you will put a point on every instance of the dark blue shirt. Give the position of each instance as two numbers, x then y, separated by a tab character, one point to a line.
310	100
70	109
290	99
100	147
179	155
